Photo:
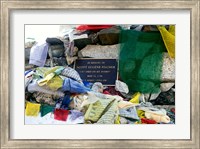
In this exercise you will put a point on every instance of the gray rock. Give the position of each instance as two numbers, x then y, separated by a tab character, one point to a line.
166	86
98	51
29	66
127	96
82	43
168	69
27	53
146	97
29	44
109	36
94	38
70	59
57	50
141	98
136	27
155	95
56	62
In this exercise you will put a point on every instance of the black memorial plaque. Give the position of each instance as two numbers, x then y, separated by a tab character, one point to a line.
97	70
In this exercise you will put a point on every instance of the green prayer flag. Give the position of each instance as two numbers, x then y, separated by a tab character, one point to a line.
141	60
45	109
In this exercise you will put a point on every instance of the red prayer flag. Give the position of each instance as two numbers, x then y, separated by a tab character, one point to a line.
93	27
60	114
148	121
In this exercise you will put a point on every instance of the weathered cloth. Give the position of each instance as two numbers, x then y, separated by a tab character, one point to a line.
74	86
38	54
71	73
34	87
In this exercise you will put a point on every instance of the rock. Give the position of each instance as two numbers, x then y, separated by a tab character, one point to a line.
148	28
166	86
29	66
70	60
70	52
98	51
27	53
54	41
141	98
155	95
73	51
94	38
168	69
146	97
109	36
56	50
82	43
165	98
136	27
56	62
29	44
81	36
127	96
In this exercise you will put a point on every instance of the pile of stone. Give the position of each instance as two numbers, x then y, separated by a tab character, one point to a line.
55	92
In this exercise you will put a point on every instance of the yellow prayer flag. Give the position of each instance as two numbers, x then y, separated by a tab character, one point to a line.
32	109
